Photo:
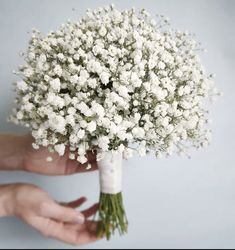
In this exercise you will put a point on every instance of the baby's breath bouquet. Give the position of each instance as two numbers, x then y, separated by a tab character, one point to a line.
114	83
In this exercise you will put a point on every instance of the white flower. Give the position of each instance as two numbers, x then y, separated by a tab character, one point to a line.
71	111
97	109
103	143
70	120
161	65
152	64
55	100
84	109
42	58
20	115
82	159
31	55
94	66
28	107
55	84
89	166
74	79
104	77
114	80
135	80
123	91
159	155
60	149
118	119
61	56
121	148
35	146
49	159
82	149
81	134
113	128
21	85
138	132
28	72
57	123
58	70
121	134
97	49
178	73
76	57
102	31
92	83
147	86
91	126
72	156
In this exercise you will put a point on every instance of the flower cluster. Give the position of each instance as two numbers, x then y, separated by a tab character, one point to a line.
117	81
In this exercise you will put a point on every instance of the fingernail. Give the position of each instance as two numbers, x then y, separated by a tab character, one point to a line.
80	219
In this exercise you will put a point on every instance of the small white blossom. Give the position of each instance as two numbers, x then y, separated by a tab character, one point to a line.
103	143
35	146
104	78
102	31
49	159
28	72
58	70
55	84
121	148
81	134
82	159
161	65
178	73
60	149
21	85
91	126
74	79
57	123
61	56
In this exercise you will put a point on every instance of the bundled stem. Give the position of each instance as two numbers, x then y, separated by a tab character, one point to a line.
112	215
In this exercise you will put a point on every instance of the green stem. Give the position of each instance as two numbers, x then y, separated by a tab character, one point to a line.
112	215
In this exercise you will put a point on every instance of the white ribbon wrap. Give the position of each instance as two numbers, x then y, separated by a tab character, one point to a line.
110	168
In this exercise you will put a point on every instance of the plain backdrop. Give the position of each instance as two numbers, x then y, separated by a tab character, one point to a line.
172	203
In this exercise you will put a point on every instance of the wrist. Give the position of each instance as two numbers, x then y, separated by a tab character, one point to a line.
7	193
12	151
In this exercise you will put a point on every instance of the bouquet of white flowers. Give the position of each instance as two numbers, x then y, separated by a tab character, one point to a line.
114	83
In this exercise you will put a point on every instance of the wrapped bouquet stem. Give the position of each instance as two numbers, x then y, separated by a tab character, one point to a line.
112	80
111	208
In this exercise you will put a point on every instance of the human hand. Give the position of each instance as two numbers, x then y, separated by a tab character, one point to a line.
53	220
35	161
17	153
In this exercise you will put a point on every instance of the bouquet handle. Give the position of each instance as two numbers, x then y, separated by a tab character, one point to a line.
111	209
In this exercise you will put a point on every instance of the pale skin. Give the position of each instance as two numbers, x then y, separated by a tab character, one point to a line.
35	207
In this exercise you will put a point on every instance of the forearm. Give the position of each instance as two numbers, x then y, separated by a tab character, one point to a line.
6	200
12	151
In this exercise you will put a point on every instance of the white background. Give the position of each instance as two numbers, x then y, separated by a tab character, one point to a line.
174	203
